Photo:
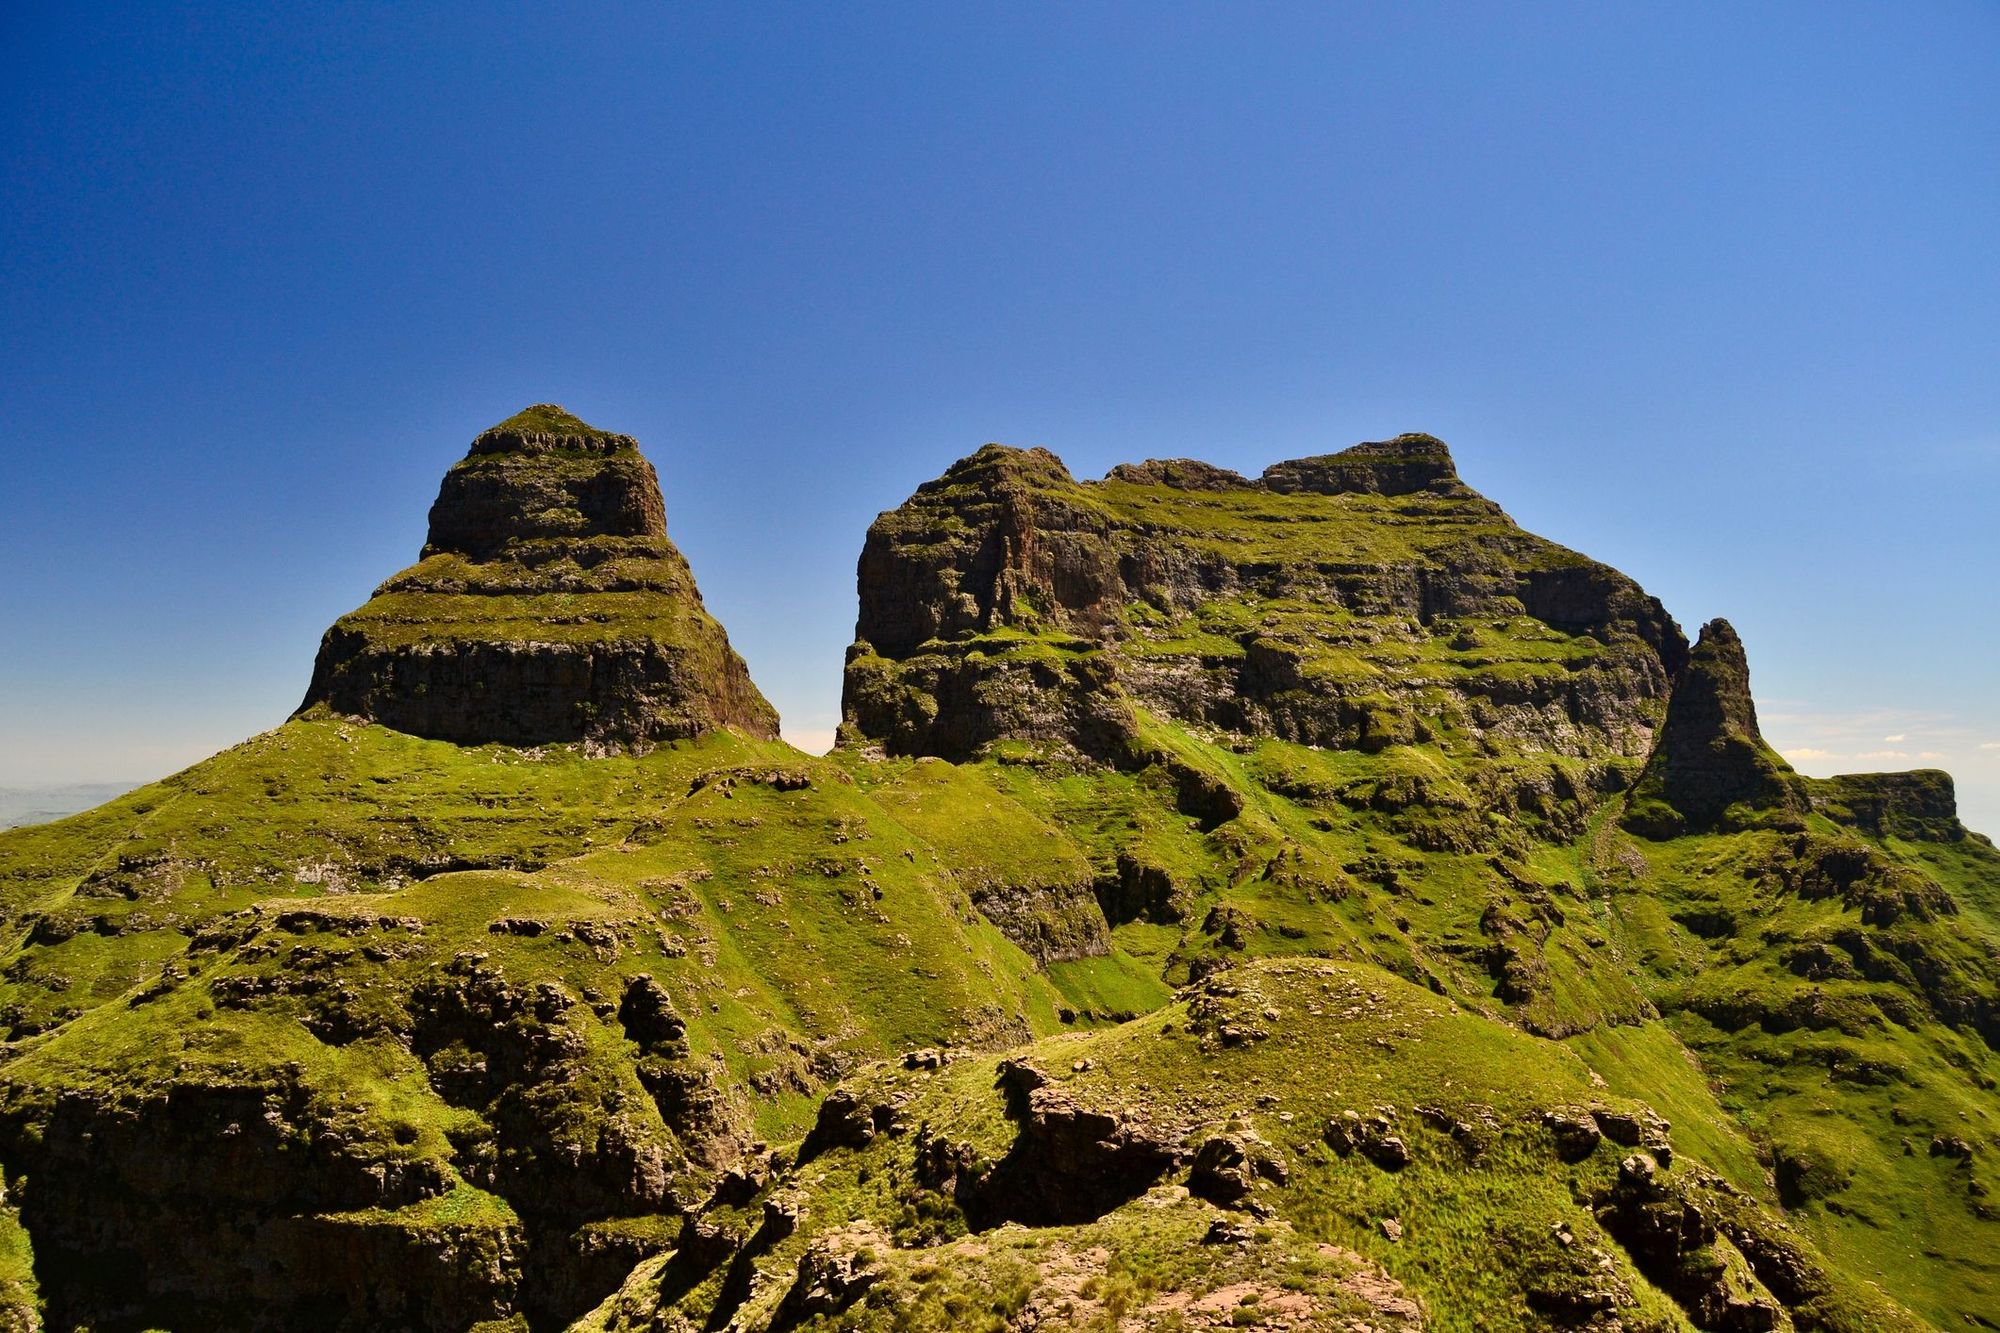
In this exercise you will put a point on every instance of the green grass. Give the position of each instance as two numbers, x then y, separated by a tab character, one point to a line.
1441	916
20	1298
1114	987
803	933
1476	1225
184	937
1840	1079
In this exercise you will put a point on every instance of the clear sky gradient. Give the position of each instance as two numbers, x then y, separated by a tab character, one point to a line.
1707	291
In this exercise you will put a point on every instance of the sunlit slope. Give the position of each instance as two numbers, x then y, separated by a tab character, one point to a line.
1293	1144
1349	710
1308	902
555	990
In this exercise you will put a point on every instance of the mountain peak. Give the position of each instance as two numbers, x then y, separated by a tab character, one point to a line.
1407	464
548	606
542	475
993	467
1711	766
1008	602
546	428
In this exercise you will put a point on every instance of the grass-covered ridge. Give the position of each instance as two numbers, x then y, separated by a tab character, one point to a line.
1231	907
568	986
1440	1168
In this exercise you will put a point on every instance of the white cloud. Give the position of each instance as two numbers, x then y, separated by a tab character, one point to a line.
1933	754
1882	754
1896	739
1990	745
1808	754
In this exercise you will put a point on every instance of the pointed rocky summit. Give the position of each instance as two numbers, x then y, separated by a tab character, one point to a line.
548	606
1711	767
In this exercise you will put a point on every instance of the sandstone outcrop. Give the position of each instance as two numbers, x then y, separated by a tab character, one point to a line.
1920	805
1711	767
1362	599
549	606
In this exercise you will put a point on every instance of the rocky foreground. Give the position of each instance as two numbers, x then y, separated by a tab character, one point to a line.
1302	902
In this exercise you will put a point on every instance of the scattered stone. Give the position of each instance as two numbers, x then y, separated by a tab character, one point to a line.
1223	1231
1575	1131
1638	1171
1388	1152
1222	1172
1374	1138
1945	1146
833	1273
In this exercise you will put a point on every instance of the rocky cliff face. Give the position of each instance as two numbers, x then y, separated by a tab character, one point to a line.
1711	765
549	606
1406	465
1292	948
1920	805
1363	599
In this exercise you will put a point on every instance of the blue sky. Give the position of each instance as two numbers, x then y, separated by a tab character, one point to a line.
1708	291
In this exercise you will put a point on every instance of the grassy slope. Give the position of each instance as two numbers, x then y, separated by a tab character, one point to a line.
797	928
1826	1105
1842	1082
363	820
1427	860
1516	943
753	906
1479	1215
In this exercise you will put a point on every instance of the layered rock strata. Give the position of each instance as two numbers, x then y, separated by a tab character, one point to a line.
548	606
1362	599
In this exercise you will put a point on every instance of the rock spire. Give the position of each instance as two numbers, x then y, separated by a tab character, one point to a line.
1711	767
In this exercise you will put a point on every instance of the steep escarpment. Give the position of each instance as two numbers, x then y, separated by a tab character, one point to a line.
549	606
1711	764
1364	599
1919	805
1302	902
